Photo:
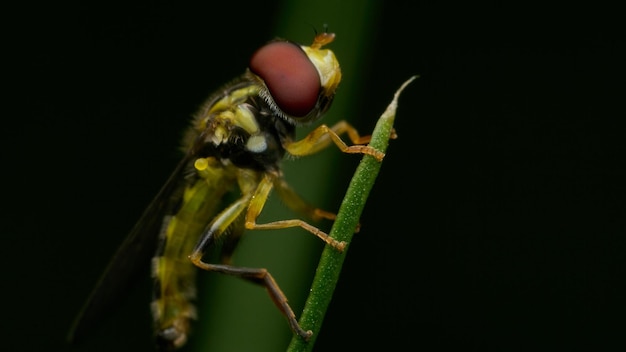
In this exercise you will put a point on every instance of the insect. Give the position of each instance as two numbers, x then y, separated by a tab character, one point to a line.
233	150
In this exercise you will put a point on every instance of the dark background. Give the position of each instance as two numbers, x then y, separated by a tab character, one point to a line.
497	221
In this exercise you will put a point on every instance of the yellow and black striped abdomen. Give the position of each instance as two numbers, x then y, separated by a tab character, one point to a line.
173	272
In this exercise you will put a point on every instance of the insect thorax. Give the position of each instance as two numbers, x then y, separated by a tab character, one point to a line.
240	127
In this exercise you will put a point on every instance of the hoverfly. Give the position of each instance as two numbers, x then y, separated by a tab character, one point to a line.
234	145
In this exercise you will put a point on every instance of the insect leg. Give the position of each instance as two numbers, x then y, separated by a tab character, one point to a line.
258	201
323	135
219	225
295	202
256	275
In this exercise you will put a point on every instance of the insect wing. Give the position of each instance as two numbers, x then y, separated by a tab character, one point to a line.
131	260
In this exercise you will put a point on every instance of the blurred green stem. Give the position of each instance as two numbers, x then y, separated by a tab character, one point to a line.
331	261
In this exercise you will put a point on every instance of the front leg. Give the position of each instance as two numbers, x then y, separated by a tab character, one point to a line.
323	135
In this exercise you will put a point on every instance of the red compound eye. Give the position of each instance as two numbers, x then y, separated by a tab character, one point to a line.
290	76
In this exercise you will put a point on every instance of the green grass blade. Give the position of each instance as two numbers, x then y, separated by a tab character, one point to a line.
331	261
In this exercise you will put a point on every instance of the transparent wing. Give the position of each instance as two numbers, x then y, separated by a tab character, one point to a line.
131	261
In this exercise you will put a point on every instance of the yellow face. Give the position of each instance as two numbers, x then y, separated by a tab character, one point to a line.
325	62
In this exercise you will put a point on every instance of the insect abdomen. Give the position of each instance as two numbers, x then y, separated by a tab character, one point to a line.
173	272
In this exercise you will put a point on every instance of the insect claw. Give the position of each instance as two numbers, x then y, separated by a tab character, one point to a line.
393	135
377	154
339	246
307	335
